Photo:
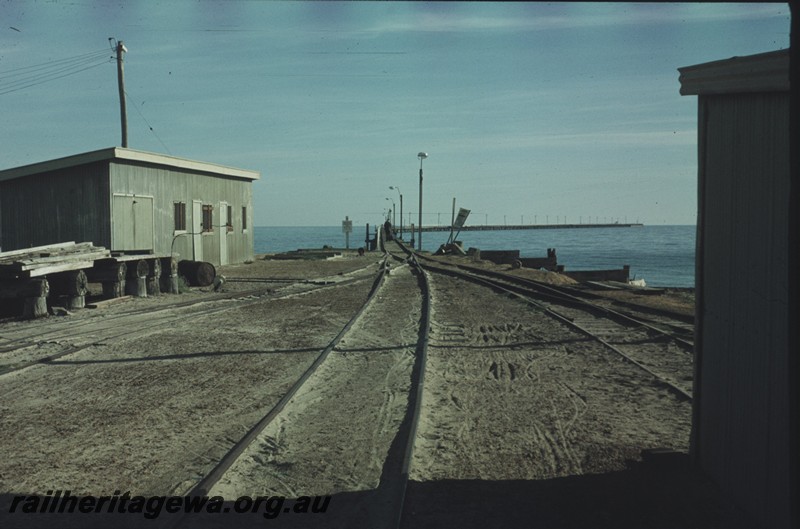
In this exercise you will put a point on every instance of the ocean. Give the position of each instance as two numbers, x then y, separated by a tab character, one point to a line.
661	255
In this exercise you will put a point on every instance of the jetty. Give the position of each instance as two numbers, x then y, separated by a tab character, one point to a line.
498	227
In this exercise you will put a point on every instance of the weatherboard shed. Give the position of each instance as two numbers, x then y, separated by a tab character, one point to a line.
130	201
742	420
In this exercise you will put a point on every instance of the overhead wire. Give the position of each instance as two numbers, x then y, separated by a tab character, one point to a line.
11	72
43	73
136	107
23	77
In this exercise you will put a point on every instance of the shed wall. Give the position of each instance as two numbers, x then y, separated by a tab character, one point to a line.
741	436
169	185
63	205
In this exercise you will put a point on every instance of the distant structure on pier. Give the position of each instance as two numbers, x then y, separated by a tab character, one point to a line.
498	227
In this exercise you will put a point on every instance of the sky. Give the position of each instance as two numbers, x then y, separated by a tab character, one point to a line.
530	112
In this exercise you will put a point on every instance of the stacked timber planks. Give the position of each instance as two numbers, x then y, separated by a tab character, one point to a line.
59	274
55	270
40	261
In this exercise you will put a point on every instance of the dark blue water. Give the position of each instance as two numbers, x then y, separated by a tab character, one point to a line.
661	255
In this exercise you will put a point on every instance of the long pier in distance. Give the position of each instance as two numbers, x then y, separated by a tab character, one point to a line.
498	227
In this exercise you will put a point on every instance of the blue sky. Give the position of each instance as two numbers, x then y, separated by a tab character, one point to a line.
529	111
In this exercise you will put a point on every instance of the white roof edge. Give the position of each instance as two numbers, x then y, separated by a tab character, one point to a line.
120	153
763	72
183	163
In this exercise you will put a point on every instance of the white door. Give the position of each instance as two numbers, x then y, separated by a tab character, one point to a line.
223	233
197	230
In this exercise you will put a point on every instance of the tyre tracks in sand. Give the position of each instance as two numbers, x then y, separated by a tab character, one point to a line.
336	435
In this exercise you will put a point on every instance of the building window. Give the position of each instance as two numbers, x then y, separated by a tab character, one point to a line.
180	216
208	218
244	218
230	218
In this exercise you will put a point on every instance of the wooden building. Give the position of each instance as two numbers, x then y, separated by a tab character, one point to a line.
742	420
130	201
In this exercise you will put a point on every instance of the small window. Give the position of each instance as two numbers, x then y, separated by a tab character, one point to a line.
244	218
230	218
208	218
180	216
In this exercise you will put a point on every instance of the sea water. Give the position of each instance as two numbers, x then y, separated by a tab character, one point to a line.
661	255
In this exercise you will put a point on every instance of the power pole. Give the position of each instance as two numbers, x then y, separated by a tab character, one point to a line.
121	81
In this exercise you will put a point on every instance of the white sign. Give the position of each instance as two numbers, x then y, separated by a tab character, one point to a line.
461	218
347	225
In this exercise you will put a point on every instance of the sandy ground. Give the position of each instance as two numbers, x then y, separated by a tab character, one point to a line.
513	394
524	422
334	435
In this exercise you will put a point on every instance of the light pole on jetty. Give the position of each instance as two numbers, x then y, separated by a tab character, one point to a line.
401	208
394	212
421	157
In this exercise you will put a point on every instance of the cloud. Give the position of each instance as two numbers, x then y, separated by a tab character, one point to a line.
573	140
533	17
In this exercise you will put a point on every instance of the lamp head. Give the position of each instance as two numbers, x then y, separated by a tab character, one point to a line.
422	155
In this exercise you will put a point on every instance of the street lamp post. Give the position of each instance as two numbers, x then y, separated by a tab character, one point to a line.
421	157
394	211
401	208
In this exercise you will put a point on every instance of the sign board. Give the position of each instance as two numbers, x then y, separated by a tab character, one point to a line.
461	218
347	225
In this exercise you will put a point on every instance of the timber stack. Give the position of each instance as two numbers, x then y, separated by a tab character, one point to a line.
59	274
33	274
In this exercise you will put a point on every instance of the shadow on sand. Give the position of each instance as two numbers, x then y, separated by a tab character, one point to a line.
654	495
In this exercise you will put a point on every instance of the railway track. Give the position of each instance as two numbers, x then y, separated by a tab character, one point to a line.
356	378
360	396
659	347
24	350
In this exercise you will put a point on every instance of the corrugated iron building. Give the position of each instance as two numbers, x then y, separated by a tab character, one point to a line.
130	201
742	418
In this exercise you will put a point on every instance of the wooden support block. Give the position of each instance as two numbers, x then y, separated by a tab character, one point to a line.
154	277
136	287
24	288
74	283
76	302
114	289
169	266
169	284
34	307
153	286
138	269
154	268
114	272
68	302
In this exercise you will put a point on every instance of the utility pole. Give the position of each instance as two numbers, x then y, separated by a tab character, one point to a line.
421	157
121	81
401	216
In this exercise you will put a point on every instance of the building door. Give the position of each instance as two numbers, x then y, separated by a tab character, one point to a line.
197	230
223	233
132	223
